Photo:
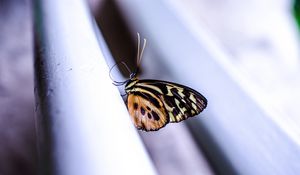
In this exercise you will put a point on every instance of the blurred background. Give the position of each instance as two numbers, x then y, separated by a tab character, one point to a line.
242	55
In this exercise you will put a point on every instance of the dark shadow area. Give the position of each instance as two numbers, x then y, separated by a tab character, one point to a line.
18	155
117	34
43	130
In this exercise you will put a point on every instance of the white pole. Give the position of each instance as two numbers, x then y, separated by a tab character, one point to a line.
83	124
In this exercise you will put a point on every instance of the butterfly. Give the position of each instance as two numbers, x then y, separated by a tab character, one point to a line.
154	103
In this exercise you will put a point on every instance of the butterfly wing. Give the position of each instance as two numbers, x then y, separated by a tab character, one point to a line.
180	102
146	111
154	103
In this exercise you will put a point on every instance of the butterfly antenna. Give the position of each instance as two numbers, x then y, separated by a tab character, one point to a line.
138	50
140	53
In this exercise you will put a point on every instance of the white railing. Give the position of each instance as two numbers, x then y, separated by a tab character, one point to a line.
82	123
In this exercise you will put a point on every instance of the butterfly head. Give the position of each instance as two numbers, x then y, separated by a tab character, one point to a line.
133	75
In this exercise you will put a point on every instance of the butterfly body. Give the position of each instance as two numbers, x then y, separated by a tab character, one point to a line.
154	103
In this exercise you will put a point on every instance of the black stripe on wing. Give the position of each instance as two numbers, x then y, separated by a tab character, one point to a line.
180	101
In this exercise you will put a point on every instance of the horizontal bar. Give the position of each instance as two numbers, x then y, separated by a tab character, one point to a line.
82	123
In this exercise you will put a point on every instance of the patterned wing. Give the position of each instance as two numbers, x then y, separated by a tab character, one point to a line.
146	111
180	102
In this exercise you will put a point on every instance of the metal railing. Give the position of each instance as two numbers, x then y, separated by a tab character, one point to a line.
82	123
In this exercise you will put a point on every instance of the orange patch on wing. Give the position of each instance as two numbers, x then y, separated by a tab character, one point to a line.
145	115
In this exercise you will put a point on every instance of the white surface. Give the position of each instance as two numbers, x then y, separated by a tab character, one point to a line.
262	40
90	126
